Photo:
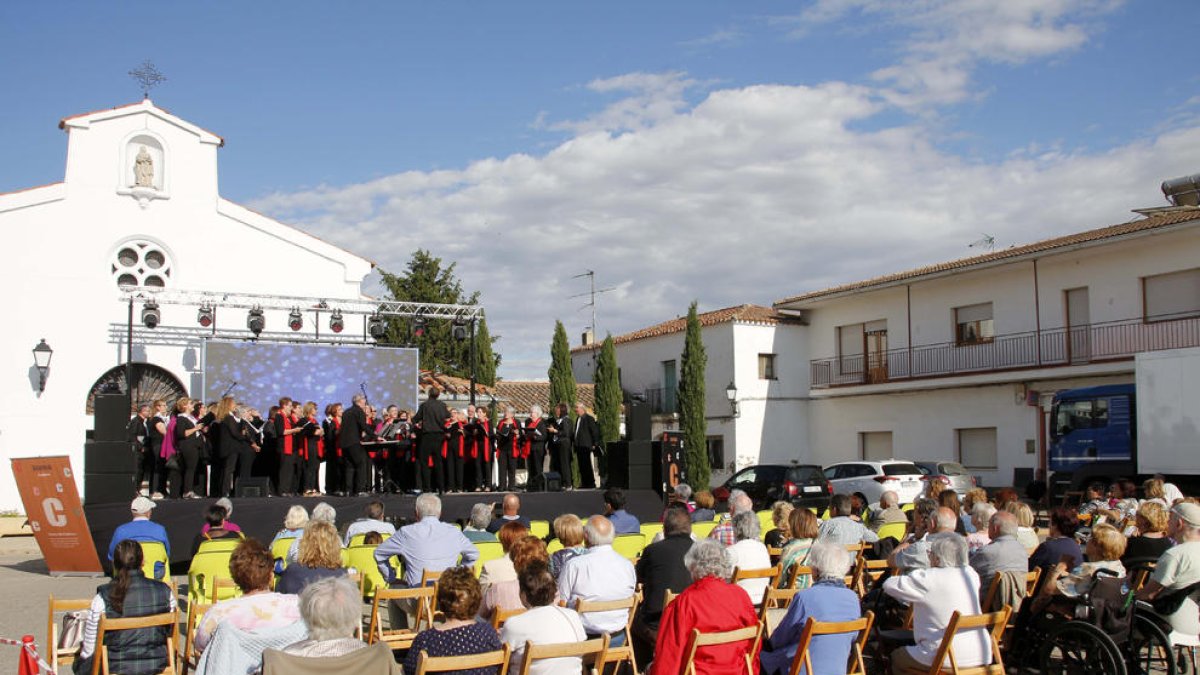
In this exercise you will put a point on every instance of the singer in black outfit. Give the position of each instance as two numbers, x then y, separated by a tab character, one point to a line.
535	438
587	441
560	443
232	437
350	438
431	422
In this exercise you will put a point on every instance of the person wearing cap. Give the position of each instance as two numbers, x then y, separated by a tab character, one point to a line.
141	528
1179	569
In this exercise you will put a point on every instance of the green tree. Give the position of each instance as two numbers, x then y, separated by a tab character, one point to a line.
691	404
562	380
485	360
608	395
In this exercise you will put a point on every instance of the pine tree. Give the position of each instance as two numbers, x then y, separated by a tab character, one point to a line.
485	361
608	392
562	380
691	404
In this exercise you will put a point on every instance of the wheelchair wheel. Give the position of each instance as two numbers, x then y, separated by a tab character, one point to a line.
1078	648
1149	649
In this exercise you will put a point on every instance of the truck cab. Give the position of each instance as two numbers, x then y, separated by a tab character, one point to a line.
1092	434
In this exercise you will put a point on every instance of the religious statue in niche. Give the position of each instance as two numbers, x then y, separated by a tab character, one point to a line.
143	169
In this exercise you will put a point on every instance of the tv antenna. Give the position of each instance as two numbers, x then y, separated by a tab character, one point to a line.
591	295
987	241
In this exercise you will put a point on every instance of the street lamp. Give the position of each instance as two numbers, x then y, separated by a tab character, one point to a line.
42	354
731	394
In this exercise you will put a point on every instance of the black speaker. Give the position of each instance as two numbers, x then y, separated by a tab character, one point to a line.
107	488
617	453
637	421
112	415
256	486
551	481
110	457
642	468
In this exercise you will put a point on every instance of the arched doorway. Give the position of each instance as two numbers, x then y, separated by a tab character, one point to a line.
149	382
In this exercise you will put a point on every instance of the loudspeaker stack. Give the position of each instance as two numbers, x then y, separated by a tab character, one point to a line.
109	461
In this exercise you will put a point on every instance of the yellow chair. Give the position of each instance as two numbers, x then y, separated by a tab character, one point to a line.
908	507
554	546
205	569
217	545
702	530
896	530
279	549
156	564
649	530
539	528
362	558
488	550
765	523
629	545
825	515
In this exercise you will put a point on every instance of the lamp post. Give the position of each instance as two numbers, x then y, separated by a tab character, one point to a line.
731	394
42	354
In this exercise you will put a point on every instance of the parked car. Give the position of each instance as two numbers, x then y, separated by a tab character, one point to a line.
765	484
951	474
874	478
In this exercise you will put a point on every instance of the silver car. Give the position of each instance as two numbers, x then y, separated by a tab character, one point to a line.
951	474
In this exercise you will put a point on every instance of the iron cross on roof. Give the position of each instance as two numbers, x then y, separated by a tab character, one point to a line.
147	76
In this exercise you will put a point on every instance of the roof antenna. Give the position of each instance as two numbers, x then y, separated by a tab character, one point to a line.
147	76
988	240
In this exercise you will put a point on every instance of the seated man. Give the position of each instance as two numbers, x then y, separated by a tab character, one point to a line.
889	511
935	593
1003	554
739	502
841	528
372	521
600	574
141	528
512	508
1178	571
928	520
623	521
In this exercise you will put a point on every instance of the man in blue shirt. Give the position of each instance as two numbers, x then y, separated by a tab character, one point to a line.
141	528
623	521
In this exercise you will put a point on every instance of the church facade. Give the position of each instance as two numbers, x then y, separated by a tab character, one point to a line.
139	207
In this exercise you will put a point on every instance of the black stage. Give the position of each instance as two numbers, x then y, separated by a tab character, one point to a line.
262	517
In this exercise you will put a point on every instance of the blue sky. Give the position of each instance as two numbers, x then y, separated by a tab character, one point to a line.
623	133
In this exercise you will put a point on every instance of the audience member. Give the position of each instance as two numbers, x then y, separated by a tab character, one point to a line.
319	557
748	553
1153	490
681	495
323	512
738	502
458	597
949	499
1003	497
372	539
511	507
293	524
913	552
142	651
600	574
1094	500
935	593
1104	550
888	512
227	504
1060	542
859	507
970	499
214	528
710	604
372	521
501	569
981	516
543	623
258	608
476	529
1170	492
140	528
1151	541
623	521
781	511
1123	501
661	569
332	610
1003	553
1026	532
506	595
828	600
1178	571
569	530
841	528
704	512
804	528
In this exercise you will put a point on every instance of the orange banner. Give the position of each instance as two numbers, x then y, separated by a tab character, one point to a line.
47	487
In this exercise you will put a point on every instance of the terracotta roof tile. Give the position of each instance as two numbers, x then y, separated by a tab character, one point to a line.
739	313
451	384
1153	221
522	394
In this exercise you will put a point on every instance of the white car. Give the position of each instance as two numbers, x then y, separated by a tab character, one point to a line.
874	478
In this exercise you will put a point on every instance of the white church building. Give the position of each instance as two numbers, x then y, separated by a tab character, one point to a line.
139	206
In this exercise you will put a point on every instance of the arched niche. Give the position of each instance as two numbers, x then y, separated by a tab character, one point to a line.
144	163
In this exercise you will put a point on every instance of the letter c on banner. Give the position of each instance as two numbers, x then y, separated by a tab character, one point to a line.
55	513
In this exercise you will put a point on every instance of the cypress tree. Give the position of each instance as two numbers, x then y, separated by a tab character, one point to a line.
691	404
485	360
608	396
562	382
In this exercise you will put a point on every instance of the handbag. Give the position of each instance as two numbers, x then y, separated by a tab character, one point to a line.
71	635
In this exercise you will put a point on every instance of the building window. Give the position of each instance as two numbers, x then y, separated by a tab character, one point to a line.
875	446
141	263
850	349
1172	296
977	448
766	367
973	324
716	452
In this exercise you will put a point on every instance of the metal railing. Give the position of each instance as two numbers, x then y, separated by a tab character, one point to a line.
662	400
1114	340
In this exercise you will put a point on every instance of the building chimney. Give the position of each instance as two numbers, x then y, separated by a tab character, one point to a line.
588	338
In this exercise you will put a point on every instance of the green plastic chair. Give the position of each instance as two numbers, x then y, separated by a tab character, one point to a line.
488	550
362	558
651	529
205	569
553	546
896	530
702	530
539	528
629	545
279	550
156	564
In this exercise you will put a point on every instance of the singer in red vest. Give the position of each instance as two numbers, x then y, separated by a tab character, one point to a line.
535	442
286	447
480	433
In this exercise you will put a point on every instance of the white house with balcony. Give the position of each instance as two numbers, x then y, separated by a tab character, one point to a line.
748	346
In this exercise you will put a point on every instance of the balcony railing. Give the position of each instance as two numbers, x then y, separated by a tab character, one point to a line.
1053	347
662	400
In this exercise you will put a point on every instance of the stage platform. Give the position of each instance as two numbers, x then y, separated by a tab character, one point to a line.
262	517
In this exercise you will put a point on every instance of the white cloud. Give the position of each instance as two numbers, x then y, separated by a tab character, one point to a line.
649	98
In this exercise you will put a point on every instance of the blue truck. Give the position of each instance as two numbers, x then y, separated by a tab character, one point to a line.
1130	430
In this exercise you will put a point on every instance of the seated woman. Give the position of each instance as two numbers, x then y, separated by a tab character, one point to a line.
949	499
252	568
506	595
372	539
320	557
227	504
458	597
1093	500
130	593
1103	551
1060	542
476	528
214	522
1152	540
332	611
293	524
711	604
750	554
704	512
777	537
827	600
501	569
804	527
1027	534
569	530
544	623
981	516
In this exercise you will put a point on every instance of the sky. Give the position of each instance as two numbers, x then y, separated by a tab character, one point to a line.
717	152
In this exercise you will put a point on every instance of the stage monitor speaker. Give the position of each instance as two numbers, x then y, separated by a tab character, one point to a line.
255	486
107	488
630	465
110	457
551	481
637	421
112	415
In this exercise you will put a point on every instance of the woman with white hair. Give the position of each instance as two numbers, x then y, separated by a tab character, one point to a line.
711	604
322	512
476	528
749	553
981	517
332	611
293	524
935	593
535	445
827	600
508	449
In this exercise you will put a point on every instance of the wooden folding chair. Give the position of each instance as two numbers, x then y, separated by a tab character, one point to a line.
107	625
221	588
794	573
500	615
870	573
625	651
591	651
994	622
61	657
750	634
669	597
812	628
774	606
771	574
441	664
400	638
189	658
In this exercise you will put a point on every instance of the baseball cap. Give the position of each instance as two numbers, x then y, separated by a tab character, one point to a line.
142	505
1190	513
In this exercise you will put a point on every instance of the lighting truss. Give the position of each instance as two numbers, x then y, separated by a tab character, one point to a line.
248	301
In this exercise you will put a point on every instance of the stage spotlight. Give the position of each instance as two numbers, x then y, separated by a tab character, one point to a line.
336	324
150	314
418	326
375	327
205	316
459	330
295	319
255	321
